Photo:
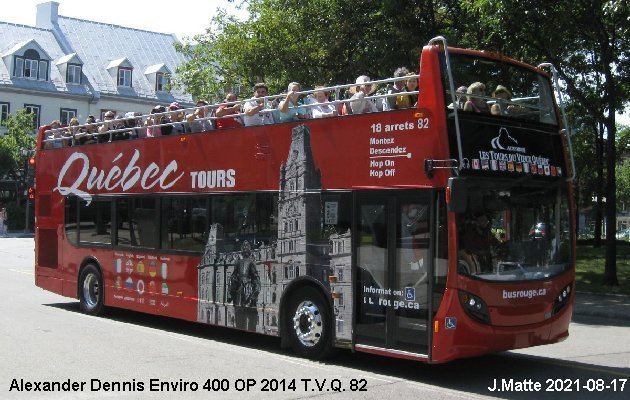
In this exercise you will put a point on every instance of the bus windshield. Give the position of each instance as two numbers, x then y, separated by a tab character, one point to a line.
514	234
499	88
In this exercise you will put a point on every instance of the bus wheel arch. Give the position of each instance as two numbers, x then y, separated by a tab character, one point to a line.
306	319
91	288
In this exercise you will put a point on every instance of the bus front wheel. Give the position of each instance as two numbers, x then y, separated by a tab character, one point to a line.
309	324
91	290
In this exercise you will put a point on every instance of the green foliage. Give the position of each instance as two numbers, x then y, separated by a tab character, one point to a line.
589	266
316	42
19	136
622	175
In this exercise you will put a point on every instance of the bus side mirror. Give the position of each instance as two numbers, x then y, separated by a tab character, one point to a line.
457	194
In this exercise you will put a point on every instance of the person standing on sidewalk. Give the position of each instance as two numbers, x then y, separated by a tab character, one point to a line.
3	221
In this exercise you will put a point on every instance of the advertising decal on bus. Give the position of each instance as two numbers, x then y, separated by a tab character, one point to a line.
510	150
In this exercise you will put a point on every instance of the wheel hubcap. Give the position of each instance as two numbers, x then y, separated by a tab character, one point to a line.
307	323
90	290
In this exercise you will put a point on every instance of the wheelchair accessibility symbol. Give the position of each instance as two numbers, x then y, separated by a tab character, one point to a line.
450	323
410	294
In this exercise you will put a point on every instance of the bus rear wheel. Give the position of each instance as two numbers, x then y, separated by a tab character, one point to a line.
91	290
309	324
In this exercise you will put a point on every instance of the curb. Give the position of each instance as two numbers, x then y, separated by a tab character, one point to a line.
15	235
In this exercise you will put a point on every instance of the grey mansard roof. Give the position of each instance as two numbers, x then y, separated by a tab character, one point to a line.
14	37
98	44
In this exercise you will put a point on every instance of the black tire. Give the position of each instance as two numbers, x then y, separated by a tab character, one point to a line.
91	290
309	324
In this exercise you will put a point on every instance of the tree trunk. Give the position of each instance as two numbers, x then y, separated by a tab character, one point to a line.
599	185
610	268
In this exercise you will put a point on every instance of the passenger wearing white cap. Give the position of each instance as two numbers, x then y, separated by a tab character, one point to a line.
359	103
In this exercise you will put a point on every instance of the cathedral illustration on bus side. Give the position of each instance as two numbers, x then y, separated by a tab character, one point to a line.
243	288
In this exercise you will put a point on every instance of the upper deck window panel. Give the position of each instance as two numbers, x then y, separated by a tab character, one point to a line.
500	89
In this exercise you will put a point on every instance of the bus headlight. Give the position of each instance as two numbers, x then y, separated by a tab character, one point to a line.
474	307
562	298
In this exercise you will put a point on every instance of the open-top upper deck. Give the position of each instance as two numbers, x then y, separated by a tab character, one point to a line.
401	148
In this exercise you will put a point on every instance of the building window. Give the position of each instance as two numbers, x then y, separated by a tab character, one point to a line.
33	109
43	70
124	76
31	66
66	114
161	82
73	74
4	111
340	299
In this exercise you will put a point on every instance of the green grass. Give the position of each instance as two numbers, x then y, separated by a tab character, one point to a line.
589	270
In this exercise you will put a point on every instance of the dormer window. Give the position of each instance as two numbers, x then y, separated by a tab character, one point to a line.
124	76
31	66
73	75
71	67
122	71
161	81
159	74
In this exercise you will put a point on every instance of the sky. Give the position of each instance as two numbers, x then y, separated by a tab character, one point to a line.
184	18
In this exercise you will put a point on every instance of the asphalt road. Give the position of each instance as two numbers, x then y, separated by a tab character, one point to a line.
44	338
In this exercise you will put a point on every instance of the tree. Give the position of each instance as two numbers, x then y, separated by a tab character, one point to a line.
19	137
322	42
588	42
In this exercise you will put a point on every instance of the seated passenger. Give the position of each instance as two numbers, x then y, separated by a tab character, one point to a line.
359	104
154	120
392	102
109	124
503	95
460	95
133	125
324	107
53	136
476	102
177	118
87	133
288	109
411	85
255	108
73	130
199	120
229	109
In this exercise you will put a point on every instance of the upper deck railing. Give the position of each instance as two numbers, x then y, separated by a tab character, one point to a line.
69	136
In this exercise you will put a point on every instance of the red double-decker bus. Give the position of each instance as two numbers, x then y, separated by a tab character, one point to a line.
433	233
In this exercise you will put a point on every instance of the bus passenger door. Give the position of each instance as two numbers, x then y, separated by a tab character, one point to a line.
393	271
